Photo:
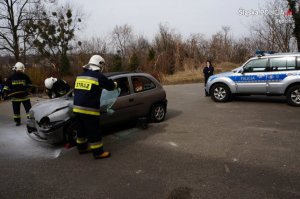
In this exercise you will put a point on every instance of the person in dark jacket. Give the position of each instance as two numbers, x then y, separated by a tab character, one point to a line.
56	87
87	93
208	71
17	86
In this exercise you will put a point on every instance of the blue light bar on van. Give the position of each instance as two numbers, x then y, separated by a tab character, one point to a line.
263	52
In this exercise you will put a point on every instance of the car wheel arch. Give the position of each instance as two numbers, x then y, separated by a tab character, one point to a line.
290	86
221	83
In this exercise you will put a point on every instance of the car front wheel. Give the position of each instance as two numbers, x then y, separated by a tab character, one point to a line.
158	113
220	93
71	133
293	96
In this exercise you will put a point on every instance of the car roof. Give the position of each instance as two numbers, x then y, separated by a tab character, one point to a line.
113	74
277	55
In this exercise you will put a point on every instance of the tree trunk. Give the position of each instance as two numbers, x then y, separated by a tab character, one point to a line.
297	29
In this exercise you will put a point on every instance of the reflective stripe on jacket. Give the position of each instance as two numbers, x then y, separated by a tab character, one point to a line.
17	85
87	92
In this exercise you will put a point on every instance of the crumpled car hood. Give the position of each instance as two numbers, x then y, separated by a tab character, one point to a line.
48	107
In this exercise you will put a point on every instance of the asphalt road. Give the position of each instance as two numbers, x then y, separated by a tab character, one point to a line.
247	148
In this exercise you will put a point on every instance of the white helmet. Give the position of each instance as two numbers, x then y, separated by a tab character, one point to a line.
19	67
96	63
49	82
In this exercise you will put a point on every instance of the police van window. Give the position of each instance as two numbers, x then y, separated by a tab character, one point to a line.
142	84
257	65
282	63
123	84
298	63
291	63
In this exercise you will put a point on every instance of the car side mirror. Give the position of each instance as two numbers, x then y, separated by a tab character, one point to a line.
242	71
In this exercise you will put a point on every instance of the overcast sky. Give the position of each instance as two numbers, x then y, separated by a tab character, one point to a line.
185	16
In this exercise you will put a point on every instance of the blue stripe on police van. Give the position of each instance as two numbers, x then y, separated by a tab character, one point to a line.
258	78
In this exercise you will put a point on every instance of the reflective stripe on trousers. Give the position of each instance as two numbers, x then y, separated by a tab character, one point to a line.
96	145
86	110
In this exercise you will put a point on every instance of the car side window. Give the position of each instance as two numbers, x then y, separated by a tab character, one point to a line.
282	63
141	84
257	65
123	84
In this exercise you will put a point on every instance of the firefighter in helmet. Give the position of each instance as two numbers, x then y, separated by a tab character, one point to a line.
56	87
87	93
17	87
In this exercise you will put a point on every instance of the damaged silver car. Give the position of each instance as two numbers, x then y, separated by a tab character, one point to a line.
141	95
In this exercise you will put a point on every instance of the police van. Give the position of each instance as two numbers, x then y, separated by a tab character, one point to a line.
264	74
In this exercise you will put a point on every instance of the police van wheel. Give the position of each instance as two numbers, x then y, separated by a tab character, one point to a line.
220	93
293	96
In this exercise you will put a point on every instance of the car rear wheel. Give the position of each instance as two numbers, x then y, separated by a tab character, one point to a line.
158	113
220	93
293	96
71	133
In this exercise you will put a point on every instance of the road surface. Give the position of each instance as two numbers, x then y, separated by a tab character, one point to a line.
247	148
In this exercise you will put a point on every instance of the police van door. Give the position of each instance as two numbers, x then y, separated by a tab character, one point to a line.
253	78
281	68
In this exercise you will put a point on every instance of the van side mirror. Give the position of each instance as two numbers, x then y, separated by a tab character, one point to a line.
242	71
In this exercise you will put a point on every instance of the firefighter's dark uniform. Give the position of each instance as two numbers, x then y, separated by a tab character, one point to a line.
87	93
59	88
17	86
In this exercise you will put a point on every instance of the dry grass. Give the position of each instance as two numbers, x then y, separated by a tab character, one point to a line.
183	77
195	75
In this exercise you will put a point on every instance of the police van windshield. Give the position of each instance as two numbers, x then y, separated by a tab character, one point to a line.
256	65
237	69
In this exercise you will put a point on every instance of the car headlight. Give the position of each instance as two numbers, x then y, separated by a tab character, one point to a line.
45	123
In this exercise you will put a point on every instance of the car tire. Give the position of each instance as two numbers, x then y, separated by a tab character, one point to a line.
293	96
220	93
71	133
158	113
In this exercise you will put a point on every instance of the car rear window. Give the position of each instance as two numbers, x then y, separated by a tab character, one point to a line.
141	84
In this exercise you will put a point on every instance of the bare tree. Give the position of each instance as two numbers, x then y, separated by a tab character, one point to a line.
226	30
274	31
295	11
14	15
53	34
197	46
122	36
95	45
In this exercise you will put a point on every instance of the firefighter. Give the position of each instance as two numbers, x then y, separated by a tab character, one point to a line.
17	86
87	93
56	87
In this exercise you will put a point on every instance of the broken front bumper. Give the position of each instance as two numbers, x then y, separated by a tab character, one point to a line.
51	135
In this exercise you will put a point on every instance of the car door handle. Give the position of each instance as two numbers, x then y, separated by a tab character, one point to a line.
131	100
